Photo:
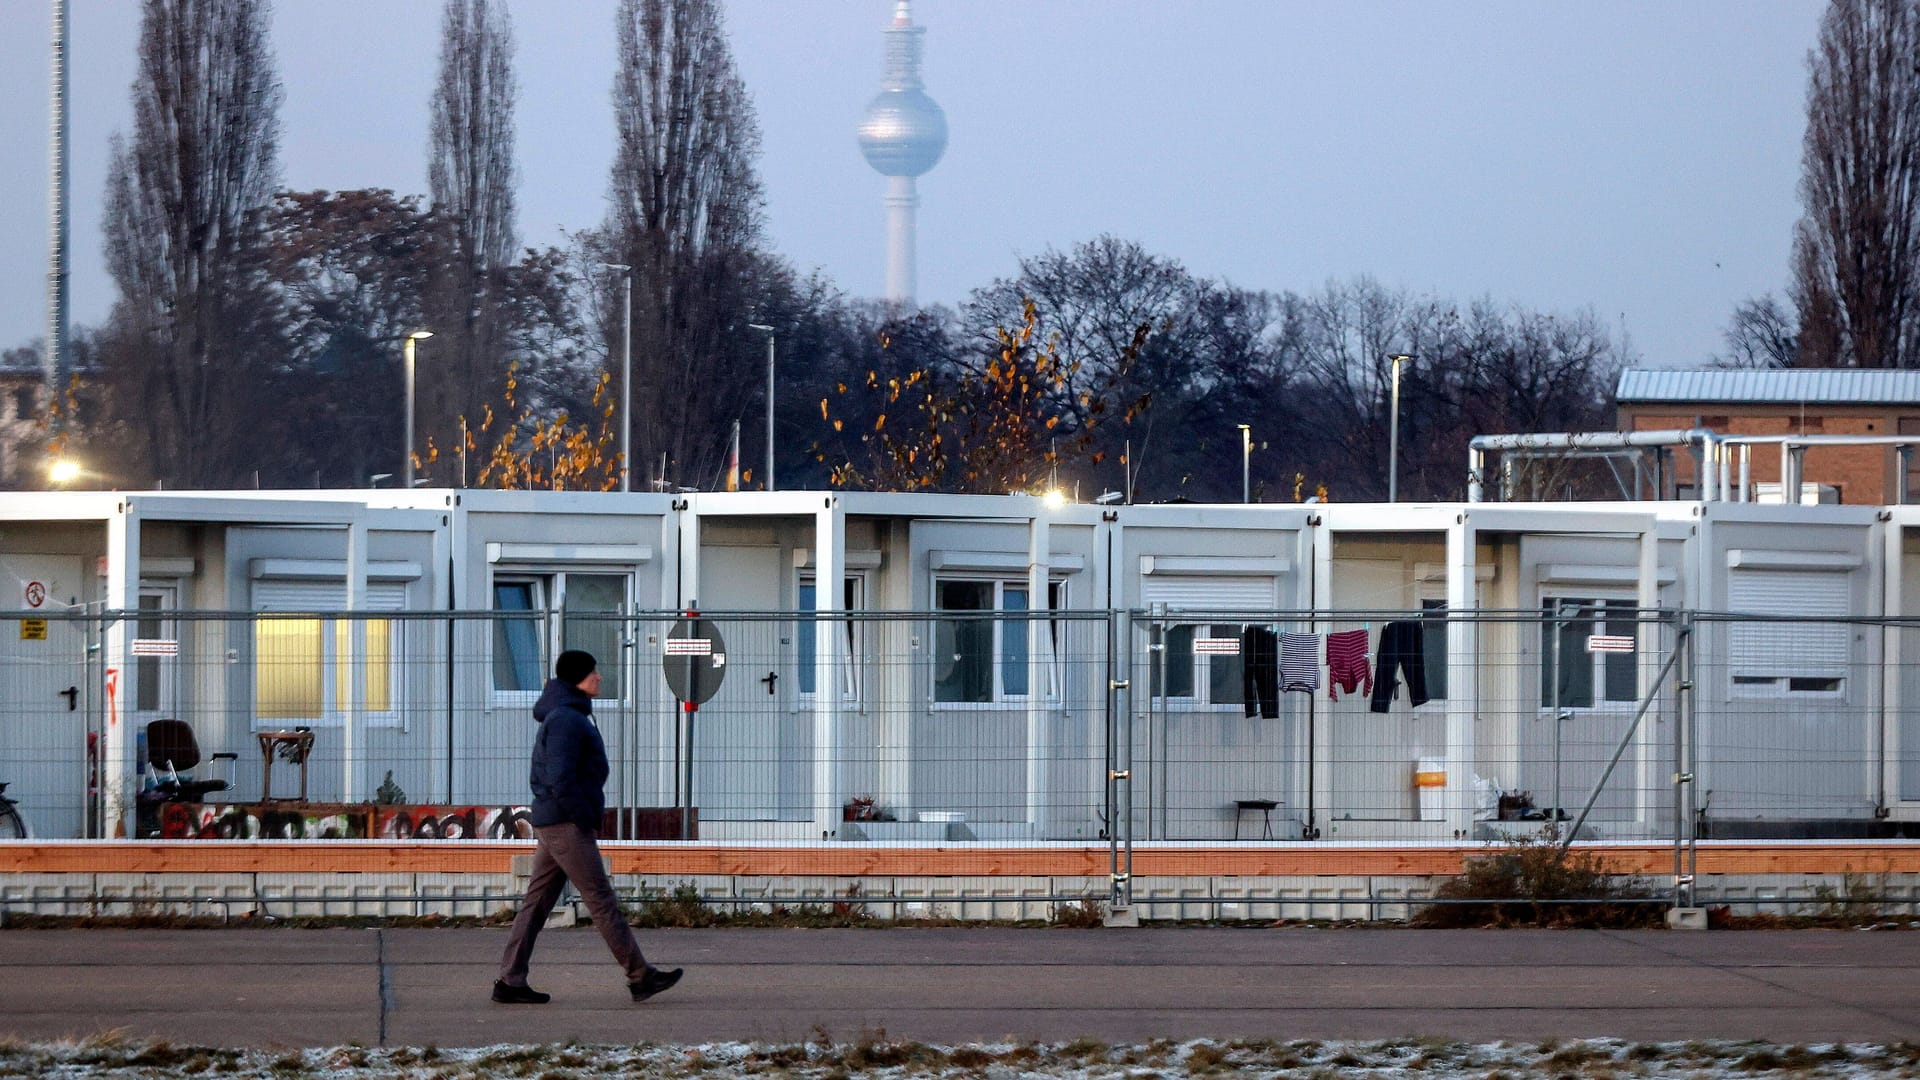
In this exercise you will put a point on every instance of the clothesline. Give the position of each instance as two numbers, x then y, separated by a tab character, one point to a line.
1272	664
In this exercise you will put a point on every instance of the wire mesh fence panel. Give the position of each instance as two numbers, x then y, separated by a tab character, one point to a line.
1218	753
1349	725
47	730
1795	724
980	722
1902	685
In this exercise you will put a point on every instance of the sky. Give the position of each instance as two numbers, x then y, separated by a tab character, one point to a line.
1637	159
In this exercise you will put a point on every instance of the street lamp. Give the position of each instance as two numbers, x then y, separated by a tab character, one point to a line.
1246	460
626	375
1393	431
768	330
407	457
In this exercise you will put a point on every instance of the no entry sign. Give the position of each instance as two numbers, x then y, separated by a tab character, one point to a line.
694	660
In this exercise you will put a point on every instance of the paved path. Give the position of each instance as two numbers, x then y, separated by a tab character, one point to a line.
262	987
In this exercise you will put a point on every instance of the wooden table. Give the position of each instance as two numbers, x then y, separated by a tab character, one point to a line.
292	746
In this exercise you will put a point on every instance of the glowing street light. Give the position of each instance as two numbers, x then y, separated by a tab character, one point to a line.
1246	462
1393	431
768	330
407	456
626	373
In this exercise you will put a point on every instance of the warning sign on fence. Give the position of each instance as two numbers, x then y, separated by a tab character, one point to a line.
1609	643
33	629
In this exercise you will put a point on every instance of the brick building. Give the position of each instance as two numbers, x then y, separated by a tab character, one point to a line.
1805	401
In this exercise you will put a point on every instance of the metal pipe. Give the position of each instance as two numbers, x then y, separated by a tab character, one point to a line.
1696	438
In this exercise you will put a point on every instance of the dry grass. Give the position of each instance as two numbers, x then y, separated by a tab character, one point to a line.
1529	881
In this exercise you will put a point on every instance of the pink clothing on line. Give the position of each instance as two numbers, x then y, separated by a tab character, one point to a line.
1347	664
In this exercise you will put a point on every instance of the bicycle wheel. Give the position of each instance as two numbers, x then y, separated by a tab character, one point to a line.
12	825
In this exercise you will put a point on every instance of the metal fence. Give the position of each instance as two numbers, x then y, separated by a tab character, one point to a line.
979	727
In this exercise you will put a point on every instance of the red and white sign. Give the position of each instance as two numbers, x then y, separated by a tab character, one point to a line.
690	646
1217	646
36	593
155	647
1609	643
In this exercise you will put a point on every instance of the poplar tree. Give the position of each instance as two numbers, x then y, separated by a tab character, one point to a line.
193	323
471	177
1856	264
686	216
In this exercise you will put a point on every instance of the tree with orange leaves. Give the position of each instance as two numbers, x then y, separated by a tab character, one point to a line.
554	453
1008	421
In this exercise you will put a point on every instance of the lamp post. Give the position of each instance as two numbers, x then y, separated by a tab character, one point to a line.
768	330
626	374
1246	460
1393	431
407	456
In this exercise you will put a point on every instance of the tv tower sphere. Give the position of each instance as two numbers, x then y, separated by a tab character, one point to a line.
904	132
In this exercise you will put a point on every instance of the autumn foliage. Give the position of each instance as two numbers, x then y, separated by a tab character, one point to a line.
1007	423
552	454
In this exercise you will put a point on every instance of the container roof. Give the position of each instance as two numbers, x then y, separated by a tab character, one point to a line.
1789	386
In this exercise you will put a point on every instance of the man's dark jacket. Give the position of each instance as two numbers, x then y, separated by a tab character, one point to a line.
569	773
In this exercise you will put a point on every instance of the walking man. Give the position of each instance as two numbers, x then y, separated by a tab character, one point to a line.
569	775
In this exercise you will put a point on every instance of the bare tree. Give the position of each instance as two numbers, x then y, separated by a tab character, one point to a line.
1762	334
1857	256
471	176
1183	385
184	197
1482	368
686	217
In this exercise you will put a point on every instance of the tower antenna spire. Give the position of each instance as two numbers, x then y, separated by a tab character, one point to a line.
902	135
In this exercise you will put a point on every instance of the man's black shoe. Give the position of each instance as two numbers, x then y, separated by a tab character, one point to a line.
518	995
655	981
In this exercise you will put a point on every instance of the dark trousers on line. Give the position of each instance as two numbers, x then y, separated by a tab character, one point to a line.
1402	646
569	853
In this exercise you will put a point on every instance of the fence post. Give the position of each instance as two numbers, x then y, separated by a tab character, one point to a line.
117	766
1684	849
1120	759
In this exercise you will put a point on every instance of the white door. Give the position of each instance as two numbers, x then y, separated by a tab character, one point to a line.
736	734
43	725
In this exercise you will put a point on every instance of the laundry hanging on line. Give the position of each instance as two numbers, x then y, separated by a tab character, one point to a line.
1260	671
1300	662
1402	649
1347	668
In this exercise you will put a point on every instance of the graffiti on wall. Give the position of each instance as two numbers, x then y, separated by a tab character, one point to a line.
231	821
453	823
335	821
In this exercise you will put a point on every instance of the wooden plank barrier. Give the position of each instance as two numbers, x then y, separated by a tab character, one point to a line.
706	859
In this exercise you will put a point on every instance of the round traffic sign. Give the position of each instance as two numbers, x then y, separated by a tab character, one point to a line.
694	660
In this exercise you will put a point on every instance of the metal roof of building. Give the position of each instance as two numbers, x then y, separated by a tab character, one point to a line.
1789	386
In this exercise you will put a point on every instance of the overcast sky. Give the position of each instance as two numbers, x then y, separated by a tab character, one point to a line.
1635	158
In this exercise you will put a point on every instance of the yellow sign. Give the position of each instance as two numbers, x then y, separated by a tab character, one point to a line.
33	629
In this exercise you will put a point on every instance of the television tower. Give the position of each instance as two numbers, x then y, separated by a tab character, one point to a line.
903	135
